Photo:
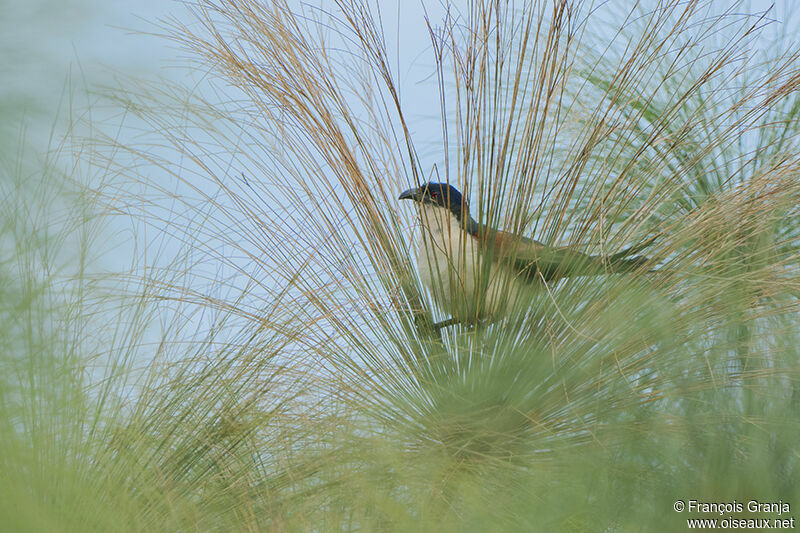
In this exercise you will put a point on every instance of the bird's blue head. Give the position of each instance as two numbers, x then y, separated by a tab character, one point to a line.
442	195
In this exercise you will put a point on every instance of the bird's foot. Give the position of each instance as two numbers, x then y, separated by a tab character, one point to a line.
438	326
426	327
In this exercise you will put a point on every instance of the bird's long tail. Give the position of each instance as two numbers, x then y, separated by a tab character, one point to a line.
550	264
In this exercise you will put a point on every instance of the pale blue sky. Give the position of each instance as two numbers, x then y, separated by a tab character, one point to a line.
42	41
48	44
45	44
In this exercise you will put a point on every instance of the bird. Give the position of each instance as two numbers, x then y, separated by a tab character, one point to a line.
478	274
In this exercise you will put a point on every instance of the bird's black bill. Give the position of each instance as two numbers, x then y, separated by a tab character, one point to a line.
410	194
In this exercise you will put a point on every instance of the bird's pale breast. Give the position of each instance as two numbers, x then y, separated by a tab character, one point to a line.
451	266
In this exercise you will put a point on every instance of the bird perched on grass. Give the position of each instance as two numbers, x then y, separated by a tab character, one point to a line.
476	273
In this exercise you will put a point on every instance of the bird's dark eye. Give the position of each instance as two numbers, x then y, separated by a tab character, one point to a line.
434	194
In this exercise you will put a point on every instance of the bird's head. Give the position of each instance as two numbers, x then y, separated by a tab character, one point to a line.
441	195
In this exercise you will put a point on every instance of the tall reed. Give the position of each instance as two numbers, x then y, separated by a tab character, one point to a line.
296	383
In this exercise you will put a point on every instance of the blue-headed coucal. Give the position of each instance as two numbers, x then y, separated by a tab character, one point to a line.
476	273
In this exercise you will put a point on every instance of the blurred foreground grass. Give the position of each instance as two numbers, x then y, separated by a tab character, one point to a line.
271	376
